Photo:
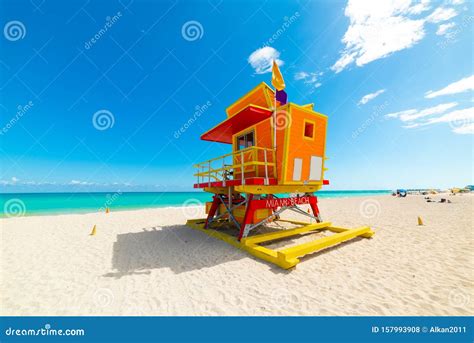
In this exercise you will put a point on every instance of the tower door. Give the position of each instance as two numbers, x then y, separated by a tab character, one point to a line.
297	166
316	168
244	141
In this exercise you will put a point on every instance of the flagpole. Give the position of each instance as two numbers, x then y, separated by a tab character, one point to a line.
277	81
274	121
275	135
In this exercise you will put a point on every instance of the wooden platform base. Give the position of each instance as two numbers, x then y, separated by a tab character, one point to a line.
288	257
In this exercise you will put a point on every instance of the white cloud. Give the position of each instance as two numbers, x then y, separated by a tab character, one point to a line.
444	29
14	180
73	183
467	129
442	14
420	7
82	183
262	59
464	116
398	114
463	85
412	114
301	75
461	121
309	78
366	98
411	126
380	28
346	59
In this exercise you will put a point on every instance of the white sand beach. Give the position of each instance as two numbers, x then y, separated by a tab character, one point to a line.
147	262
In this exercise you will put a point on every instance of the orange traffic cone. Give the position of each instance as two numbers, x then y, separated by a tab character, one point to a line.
420	221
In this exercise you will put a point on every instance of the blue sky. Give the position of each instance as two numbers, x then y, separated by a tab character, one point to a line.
395	79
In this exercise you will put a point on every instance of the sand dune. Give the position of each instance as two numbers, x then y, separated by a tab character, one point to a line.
147	262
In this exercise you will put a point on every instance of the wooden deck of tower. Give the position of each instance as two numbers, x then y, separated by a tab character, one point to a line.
277	148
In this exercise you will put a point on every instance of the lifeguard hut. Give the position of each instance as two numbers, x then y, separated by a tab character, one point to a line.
278	149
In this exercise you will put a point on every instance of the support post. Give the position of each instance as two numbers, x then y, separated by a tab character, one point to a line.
313	202
242	168
212	210
209	174
249	210
266	166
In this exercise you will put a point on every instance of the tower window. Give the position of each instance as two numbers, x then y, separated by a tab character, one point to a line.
309	130
245	141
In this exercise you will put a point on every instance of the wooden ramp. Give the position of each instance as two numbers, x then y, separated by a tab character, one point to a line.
287	257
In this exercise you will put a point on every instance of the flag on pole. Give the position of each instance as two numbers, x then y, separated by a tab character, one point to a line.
277	78
281	97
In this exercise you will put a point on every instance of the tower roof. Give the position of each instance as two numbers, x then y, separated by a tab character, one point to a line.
262	96
247	117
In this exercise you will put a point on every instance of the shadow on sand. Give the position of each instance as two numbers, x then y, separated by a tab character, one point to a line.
177	247
180	249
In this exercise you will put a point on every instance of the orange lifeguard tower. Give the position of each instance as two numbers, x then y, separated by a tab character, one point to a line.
277	148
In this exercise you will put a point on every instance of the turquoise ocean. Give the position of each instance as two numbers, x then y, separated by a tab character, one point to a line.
13	204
